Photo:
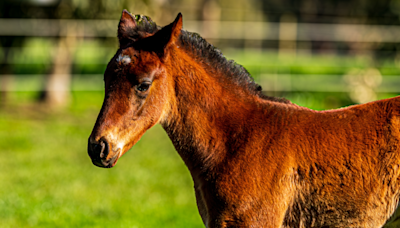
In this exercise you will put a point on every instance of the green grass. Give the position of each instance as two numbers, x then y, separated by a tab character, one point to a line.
48	180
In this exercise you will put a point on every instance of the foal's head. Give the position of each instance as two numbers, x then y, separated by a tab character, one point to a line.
137	87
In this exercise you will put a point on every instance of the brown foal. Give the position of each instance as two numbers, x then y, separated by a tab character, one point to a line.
256	161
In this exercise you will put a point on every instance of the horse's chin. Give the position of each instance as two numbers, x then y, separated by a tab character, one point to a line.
114	162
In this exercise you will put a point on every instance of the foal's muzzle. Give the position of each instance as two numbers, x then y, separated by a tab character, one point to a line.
99	151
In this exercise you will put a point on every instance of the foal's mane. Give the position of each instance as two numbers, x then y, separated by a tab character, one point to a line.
209	54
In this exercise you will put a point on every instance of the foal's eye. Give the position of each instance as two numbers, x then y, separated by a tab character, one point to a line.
143	87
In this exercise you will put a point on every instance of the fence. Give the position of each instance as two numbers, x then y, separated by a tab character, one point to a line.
215	31
212	30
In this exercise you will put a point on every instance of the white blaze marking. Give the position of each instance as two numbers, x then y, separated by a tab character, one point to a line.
124	59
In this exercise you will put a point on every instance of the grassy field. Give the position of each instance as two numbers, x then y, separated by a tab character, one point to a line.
48	180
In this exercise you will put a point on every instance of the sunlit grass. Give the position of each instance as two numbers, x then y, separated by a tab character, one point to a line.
48	180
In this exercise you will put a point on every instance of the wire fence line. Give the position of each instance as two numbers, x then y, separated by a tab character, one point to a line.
210	30
34	82
327	83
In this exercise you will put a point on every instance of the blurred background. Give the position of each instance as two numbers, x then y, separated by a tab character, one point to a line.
319	54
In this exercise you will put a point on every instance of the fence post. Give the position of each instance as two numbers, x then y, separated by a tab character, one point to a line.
287	35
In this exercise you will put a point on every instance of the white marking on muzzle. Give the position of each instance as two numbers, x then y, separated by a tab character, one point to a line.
116	143
119	143
120	146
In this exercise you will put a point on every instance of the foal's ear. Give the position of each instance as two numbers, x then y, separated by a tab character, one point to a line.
170	34
127	23
176	28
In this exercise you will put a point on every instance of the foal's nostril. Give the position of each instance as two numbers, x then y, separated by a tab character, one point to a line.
104	149
94	148
99	149
98	152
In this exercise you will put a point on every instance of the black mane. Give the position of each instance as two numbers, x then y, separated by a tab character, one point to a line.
214	57
209	54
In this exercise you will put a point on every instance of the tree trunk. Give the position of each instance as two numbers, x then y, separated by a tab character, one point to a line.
57	89
5	78
5	72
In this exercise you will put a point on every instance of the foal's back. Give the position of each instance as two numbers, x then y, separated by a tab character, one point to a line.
344	165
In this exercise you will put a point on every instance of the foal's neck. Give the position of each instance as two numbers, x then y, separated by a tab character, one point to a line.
208	113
